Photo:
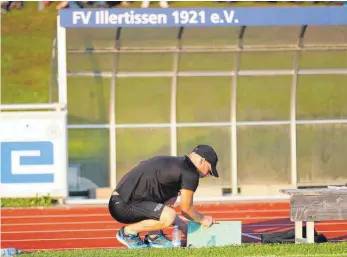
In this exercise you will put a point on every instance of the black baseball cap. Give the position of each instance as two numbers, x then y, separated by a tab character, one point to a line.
210	155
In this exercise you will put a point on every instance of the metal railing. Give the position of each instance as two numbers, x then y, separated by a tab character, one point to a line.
25	107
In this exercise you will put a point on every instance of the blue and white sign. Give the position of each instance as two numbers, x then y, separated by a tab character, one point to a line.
27	162
33	154
203	17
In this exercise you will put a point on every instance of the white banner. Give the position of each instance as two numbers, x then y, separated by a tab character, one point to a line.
33	154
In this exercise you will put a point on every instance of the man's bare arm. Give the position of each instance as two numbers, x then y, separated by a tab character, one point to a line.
187	208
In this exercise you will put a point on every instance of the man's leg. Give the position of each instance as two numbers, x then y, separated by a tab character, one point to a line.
166	219
154	218
129	235
122	213
157	238
177	221
147	217
182	225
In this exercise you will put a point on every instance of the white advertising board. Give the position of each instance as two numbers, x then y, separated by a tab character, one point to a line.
33	154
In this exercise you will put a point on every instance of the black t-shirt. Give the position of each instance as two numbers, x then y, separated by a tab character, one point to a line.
158	179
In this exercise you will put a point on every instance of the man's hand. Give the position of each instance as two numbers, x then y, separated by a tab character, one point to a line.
207	221
189	212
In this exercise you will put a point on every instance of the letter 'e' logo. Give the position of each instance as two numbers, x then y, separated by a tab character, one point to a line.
27	162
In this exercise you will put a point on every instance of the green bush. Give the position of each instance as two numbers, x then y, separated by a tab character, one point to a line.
44	201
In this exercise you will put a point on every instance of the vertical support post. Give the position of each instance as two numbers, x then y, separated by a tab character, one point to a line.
62	70
310	232
173	107
112	131
62	85
293	151
298	231
234	171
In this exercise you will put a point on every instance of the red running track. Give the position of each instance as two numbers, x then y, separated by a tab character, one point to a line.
92	227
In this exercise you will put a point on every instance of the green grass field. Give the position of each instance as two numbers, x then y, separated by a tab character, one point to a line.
321	250
263	150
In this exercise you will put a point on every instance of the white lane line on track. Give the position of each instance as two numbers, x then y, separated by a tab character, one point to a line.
60	231
114	222
243	225
270	226
55	216
251	235
108	215
58	223
261	220
321	231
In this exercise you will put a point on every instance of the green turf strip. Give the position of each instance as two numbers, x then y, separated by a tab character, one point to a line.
315	250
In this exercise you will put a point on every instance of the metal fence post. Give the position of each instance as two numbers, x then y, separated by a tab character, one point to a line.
293	142
112	131
62	63
234	171
173	108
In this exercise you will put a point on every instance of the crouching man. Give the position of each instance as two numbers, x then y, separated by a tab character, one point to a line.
143	198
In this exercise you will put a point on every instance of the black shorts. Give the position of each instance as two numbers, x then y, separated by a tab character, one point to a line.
133	211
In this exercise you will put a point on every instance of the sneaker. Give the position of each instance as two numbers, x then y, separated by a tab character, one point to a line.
130	241
160	241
